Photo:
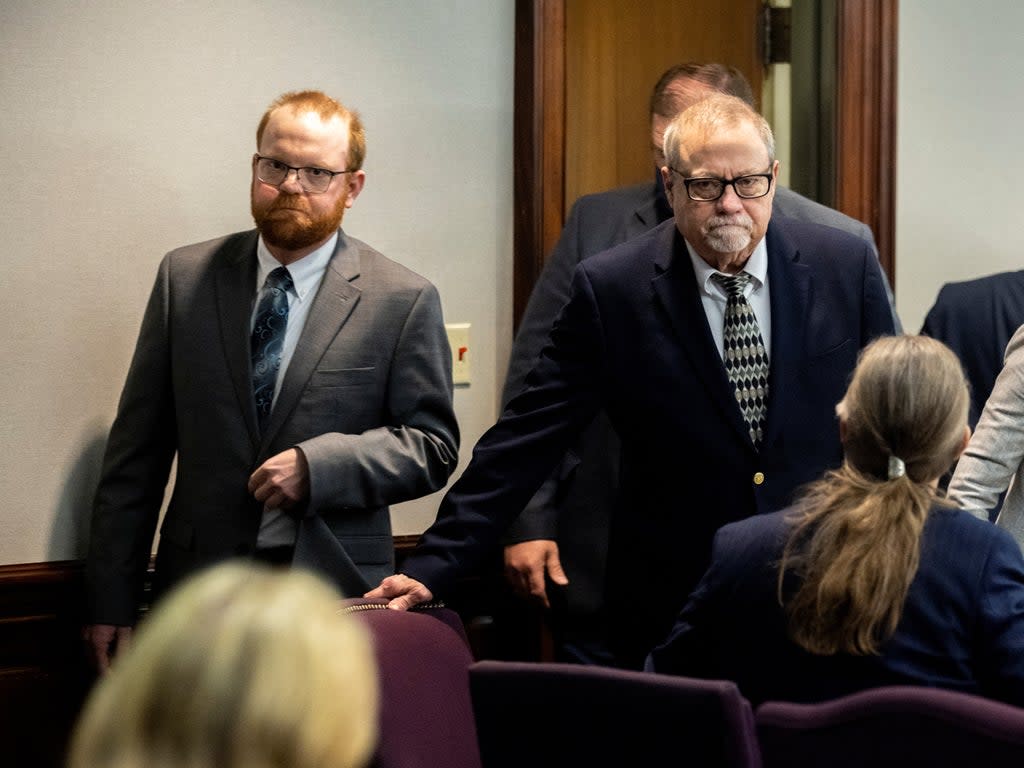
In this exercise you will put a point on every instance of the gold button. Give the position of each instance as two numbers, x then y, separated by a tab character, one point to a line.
758	478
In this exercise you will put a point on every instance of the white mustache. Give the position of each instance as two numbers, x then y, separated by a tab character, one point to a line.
739	220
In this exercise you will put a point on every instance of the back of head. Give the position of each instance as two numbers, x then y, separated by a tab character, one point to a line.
908	398
669	95
856	543
240	667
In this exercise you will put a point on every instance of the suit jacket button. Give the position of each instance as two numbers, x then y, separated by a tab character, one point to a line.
758	478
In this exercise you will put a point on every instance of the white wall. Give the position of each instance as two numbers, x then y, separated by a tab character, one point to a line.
960	157
126	129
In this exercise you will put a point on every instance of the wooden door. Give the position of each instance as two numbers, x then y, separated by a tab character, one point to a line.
615	50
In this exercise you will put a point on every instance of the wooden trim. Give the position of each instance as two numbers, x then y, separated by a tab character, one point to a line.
44	677
38	602
866	55
538	141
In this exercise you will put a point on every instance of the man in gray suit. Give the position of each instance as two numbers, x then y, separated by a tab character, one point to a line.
557	547
301	379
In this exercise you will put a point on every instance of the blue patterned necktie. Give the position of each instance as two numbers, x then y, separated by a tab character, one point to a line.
746	360
268	339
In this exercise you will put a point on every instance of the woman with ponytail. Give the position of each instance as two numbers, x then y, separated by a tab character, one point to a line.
871	577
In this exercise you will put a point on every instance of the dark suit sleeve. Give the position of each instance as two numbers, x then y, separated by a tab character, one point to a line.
879	318
688	650
539	519
548	297
515	455
935	322
1001	653
135	470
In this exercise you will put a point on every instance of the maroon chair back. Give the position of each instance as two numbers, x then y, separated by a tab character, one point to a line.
426	717
536	714
897	726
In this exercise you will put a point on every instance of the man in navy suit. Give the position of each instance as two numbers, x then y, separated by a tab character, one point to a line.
641	337
563	531
976	318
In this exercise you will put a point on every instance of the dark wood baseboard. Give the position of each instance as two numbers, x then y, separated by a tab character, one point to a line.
44	676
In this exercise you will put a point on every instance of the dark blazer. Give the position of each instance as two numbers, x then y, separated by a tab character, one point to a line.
962	626
976	318
575	503
574	506
633	339
367	397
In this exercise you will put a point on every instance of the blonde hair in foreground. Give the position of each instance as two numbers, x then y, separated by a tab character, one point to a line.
242	666
857	540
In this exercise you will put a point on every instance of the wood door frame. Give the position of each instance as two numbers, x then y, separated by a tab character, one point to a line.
865	148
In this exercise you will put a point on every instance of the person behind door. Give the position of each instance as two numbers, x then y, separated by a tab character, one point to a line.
301	379
557	548
650	335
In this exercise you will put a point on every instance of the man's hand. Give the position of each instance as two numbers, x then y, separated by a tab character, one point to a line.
282	481
403	592
103	642
526	564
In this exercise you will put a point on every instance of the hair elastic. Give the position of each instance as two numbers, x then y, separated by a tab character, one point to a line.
896	467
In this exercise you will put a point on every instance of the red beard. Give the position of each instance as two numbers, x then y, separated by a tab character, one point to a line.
287	222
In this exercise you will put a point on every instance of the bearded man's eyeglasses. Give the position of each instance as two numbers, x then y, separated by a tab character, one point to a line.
312	180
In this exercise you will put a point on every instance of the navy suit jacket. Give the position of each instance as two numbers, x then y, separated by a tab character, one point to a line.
575	504
634	339
976	318
962	626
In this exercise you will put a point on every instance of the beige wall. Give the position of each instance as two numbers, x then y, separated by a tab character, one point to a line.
960	157
126	129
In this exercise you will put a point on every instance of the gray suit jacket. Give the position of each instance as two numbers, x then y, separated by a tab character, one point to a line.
994	460
367	397
574	505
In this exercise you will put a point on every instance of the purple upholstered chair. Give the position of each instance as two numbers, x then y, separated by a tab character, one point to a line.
426	718
542	714
897	726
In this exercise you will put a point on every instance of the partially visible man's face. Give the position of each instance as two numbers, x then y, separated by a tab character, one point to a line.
294	222
685	93
724	231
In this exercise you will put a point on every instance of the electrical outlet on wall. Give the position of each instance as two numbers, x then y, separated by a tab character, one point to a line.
458	339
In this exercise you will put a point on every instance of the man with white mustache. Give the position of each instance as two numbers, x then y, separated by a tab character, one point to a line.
643	336
728	233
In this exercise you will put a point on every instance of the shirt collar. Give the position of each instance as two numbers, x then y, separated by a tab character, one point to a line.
756	267
306	272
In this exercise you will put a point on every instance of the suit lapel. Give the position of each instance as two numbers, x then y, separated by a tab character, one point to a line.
675	288
646	215
790	284
334	302
236	286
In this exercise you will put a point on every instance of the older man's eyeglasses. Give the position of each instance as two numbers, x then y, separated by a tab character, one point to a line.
312	180
706	189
